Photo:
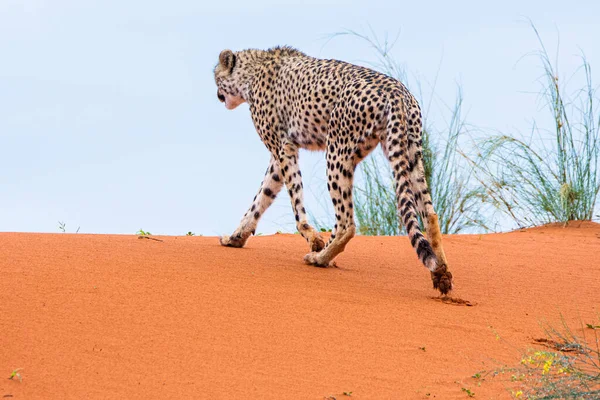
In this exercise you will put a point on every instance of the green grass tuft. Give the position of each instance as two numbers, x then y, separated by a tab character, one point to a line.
554	176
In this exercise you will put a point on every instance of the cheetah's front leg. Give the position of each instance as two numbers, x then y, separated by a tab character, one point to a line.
288	162
269	189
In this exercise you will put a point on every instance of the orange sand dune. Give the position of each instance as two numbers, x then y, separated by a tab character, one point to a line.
117	317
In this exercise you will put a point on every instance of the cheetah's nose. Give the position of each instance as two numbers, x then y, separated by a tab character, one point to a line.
221	97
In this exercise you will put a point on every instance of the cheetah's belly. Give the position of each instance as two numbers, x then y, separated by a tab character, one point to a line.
309	134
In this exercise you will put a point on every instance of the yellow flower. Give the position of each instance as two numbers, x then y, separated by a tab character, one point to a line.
547	366
519	394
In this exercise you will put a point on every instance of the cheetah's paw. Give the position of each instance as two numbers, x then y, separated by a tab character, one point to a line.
317	244
312	258
232	241
442	279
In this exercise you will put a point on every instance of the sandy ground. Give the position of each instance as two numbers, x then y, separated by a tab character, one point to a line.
113	316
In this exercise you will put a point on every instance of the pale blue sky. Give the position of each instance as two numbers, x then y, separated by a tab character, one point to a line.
109	119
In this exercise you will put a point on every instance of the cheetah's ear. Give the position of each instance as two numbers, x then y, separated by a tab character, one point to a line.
227	60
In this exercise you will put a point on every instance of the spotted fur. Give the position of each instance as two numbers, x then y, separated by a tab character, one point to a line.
297	101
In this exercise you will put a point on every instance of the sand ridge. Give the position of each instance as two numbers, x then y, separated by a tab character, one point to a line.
100	316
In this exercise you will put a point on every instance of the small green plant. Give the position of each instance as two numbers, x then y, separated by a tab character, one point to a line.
190	233
16	373
569	369
63	227
468	392
142	234
349	394
590	326
422	348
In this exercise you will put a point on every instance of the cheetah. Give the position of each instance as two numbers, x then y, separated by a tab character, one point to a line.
298	101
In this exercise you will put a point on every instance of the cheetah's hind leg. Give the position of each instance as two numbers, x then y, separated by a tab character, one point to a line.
441	277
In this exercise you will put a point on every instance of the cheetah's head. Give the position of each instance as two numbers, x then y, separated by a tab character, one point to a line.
229	80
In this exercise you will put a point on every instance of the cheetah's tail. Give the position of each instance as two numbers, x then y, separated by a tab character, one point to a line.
397	133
